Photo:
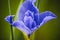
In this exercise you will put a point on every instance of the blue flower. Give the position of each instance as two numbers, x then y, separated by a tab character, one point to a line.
28	17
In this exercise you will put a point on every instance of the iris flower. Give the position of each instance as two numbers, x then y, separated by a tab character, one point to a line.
28	17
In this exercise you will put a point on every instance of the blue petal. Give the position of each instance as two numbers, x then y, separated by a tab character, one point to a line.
28	21
34	25
29	13
21	12
9	19
22	27
36	17
45	17
27	5
33	1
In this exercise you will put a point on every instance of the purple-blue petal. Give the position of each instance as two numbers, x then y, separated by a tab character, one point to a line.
33	25
28	21
43	18
22	27
27	5
29	13
33	1
9	19
46	16
36	17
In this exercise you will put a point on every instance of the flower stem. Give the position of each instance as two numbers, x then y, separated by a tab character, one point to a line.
29	37
12	33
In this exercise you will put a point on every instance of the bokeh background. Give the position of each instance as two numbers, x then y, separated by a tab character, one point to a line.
49	31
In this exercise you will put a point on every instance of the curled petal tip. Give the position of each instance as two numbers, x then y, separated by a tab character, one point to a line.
51	14
9	19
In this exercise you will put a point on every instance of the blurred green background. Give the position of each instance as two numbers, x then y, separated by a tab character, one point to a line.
49	31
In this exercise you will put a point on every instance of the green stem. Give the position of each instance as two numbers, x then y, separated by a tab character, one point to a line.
12	33
29	37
